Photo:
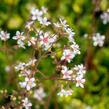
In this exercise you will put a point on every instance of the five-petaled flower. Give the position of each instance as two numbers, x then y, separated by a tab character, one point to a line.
98	40
4	35
26	103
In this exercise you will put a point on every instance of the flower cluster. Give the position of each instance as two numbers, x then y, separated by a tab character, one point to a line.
105	17
25	71
80	72
98	40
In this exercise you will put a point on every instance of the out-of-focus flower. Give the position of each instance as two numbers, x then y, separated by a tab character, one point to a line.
98	40
39	94
4	35
44	10
61	93
28	25
63	23
57	24
105	17
65	92
66	73
31	62
7	68
20	66
26	103
32	41
68	92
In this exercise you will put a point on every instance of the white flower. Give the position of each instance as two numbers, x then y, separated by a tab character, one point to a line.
39	94
20	66
29	24
7	68
25	72
36	14
85	35
80	68
80	81
67	73
19	36
26	103
32	41
62	92
44	21
68	55
57	24
98	40
65	92
21	44
68	92
44	10
31	62
63	22
28	84
70	31
47	40
4	35
75	48
105	17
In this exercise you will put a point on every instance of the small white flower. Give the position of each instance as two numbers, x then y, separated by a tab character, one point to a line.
80	81
68	92
57	25
105	17
21	44
62	93
63	22
4	35
31	62
28	25
28	84
80	68
39	94
26	103
85	35
19	36
44	21
75	48
20	66
44	10
67	73
98	40
32	41
25	72
68	55
70	31
47	40
36	14
7	68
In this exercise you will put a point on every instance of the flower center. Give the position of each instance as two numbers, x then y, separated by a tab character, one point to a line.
4	35
79	81
66	74
37	15
67	56
45	39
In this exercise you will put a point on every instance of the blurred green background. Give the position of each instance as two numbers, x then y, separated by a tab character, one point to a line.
78	13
